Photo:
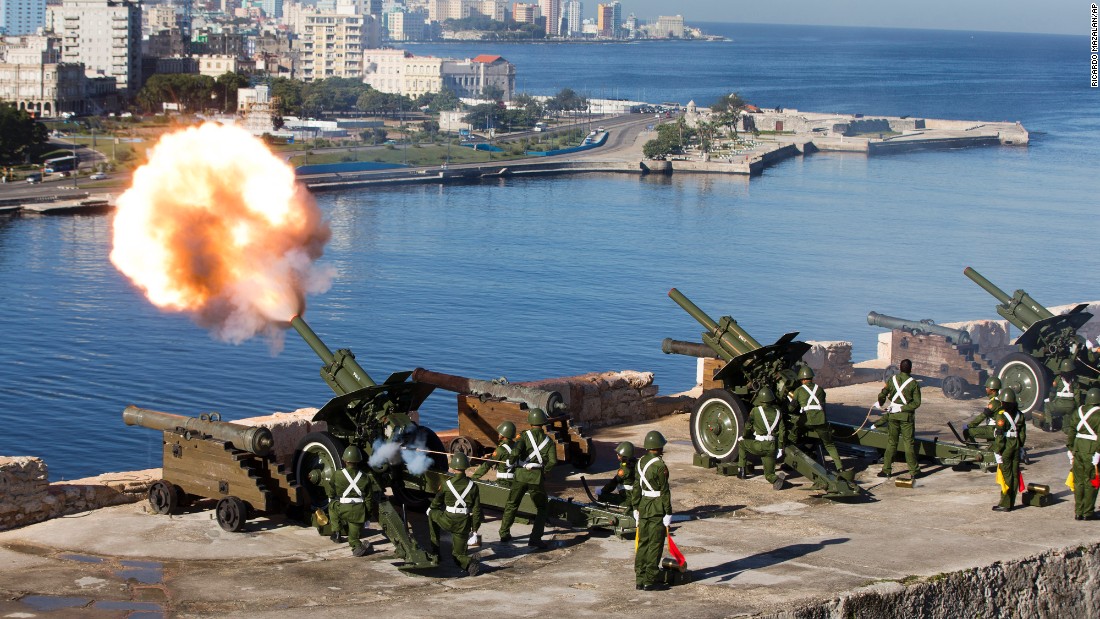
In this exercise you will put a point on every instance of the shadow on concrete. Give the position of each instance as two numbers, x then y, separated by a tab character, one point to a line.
701	512
731	569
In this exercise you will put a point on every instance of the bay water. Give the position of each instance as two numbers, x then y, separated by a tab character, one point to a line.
536	278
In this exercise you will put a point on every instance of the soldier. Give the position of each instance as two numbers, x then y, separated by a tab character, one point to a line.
457	509
1082	427
763	437
652	512
1009	436
809	401
982	425
1064	398
536	455
505	454
625	477
353	487
903	394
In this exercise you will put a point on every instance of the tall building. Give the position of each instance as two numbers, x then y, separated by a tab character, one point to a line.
572	12
104	35
551	10
272	8
605	20
616	19
333	43
523	13
670	26
21	16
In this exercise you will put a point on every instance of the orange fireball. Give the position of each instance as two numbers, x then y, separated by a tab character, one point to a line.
215	225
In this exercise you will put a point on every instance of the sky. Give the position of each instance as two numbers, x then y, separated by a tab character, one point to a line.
1052	16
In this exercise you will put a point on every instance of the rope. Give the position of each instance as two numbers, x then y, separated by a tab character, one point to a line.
865	420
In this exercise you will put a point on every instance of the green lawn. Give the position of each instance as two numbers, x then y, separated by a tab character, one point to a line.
427	155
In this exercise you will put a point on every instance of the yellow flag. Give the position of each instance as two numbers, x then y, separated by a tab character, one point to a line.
1001	481
636	534
1069	480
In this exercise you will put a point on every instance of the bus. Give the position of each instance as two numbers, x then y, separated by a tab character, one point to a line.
61	164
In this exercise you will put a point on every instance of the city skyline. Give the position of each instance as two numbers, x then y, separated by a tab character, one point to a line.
1054	17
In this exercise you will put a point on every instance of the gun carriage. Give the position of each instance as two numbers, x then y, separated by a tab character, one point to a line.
1046	342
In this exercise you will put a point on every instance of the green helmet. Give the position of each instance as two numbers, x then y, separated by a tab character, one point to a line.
764	396
993	383
536	417
625	449
654	440
507	429
1007	396
1092	398
1067	366
805	372
352	455
459	461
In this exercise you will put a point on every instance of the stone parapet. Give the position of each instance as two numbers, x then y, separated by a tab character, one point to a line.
831	363
607	398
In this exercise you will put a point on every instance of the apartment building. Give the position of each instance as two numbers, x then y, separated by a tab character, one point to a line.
21	16
104	36
572	17
33	80
669	26
551	10
333	43
523	13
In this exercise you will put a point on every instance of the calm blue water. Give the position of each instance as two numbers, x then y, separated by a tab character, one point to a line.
537	278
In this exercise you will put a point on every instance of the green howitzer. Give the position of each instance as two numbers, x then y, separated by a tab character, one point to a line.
1048	344
371	415
719	416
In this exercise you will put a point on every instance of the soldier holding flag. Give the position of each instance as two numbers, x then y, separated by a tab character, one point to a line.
1083	428
1008	441
652	512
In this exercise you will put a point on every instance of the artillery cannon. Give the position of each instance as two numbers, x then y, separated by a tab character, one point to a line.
483	405
718	417
209	458
1045	343
936	351
371	416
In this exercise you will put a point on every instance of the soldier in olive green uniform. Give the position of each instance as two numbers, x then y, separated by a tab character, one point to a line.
1065	396
983	424
626	477
505	454
1083	428
763	437
536	456
652	512
903	395
809	406
457	509
1008	441
352	488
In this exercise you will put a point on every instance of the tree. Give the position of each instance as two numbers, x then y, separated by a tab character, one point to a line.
492	93
671	138
227	86
190	92
18	133
288	96
727	110
483	116
445	99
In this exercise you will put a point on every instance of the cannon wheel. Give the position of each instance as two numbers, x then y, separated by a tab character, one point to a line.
888	372
717	420
317	450
163	497
1028	378
954	387
464	445
413	498
232	513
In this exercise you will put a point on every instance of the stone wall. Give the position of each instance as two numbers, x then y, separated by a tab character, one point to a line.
831	362
1054	584
608	398
27	496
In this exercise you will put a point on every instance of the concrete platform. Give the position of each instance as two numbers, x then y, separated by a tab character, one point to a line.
751	550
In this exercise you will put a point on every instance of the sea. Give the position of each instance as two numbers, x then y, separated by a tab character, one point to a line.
537	278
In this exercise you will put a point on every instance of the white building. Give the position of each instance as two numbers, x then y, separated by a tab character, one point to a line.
405	25
32	79
21	16
399	72
333	43
572	14
104	35
668	26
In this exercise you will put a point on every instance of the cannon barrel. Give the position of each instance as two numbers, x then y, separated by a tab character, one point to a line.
1020	309
725	337
549	401
341	371
670	346
254	439
959	336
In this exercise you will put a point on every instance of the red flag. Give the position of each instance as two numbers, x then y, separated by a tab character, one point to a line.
1095	481
675	552
1021	487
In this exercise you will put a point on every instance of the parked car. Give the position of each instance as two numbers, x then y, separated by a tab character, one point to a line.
98	176
34	178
